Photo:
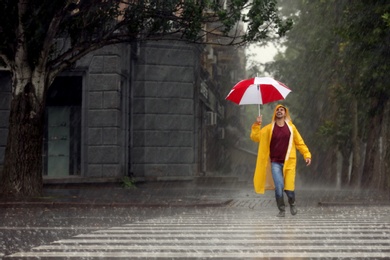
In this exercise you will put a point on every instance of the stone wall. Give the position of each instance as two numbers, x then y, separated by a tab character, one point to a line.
163	109
138	118
105	111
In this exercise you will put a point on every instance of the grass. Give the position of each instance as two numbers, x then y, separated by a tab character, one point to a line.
128	182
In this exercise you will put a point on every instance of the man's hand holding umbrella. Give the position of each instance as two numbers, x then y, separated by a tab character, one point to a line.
259	119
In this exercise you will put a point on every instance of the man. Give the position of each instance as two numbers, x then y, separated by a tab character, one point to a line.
278	142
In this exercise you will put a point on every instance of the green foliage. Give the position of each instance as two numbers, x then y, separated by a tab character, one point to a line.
91	24
35	30
128	182
261	20
367	32
336	62
386	18
193	26
88	21
327	129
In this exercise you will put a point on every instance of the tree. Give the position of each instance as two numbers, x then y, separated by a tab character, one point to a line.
29	50
308	66
366	33
342	65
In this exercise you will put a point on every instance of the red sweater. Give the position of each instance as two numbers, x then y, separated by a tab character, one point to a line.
279	143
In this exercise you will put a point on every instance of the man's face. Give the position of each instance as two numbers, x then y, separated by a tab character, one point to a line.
280	112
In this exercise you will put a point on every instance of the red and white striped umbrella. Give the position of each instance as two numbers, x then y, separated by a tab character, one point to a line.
258	90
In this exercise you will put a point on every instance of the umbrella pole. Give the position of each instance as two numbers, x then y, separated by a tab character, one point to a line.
258	88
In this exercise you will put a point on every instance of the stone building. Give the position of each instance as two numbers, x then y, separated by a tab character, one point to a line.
153	111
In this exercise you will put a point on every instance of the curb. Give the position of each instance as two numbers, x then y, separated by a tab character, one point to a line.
352	203
114	204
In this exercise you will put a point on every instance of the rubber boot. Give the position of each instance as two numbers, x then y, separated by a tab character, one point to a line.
293	208
281	207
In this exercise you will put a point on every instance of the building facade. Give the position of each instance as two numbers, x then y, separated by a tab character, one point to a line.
152	111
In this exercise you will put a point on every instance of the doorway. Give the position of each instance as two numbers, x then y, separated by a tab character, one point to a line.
62	140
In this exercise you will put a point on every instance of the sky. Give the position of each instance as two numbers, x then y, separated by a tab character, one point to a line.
260	55
263	54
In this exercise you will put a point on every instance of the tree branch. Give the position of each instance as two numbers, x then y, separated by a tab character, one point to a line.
4	60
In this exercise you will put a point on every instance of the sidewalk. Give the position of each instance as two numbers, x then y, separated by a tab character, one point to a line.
198	192
201	192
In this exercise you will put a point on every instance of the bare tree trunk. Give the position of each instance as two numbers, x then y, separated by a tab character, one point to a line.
371	152
327	170
387	164
370	175
345	167
356	158
22	172
385	160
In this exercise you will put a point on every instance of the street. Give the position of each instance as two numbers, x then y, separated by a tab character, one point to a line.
237	230
22	229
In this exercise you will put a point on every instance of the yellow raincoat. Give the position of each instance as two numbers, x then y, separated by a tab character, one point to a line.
262	179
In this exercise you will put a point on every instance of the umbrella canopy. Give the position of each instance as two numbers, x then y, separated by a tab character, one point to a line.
258	90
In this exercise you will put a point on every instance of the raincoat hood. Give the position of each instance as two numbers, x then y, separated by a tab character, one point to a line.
287	118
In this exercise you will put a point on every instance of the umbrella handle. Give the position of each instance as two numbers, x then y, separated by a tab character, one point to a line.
259	109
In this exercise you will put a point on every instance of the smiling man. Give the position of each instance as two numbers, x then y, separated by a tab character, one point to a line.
278	142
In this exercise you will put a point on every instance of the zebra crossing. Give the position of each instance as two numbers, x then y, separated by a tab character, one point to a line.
316	232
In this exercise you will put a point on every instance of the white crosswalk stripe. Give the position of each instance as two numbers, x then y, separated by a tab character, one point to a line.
225	233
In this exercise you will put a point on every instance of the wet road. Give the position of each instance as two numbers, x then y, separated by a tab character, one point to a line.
235	231
23	228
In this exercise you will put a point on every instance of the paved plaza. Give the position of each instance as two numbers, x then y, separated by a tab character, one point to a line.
341	232
220	222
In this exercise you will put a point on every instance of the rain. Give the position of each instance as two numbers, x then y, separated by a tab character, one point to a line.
145	148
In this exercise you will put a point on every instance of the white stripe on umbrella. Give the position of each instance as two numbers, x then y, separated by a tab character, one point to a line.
252	95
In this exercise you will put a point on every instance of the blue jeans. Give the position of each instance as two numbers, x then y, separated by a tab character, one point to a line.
277	175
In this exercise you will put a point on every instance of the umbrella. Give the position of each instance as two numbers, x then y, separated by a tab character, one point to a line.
258	90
